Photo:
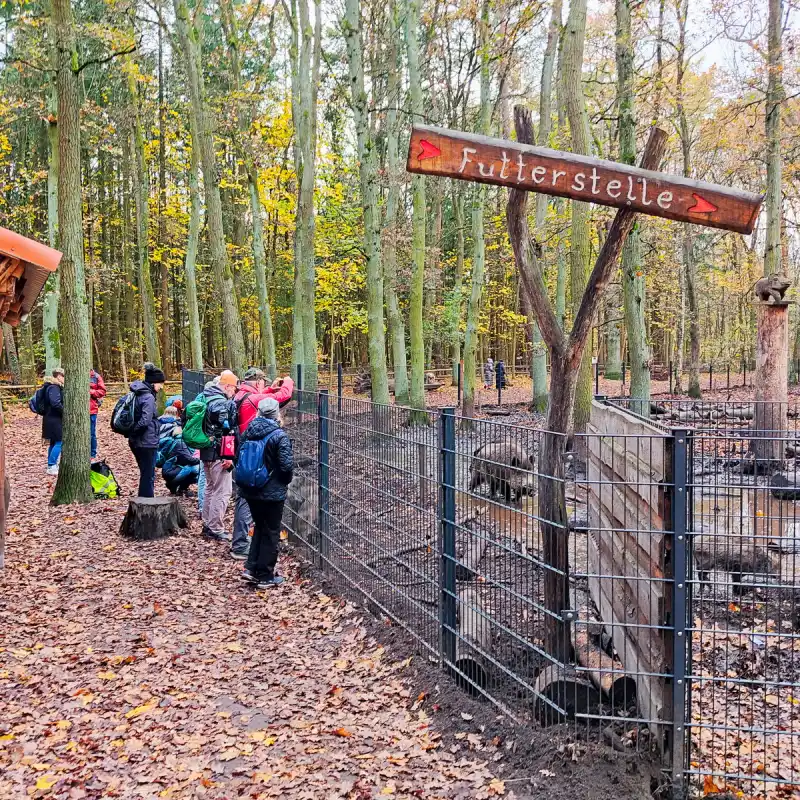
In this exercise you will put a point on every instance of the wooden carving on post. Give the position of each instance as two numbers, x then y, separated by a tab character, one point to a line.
524	168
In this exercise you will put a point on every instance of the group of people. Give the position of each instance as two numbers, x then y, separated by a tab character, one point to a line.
49	403
494	373
245	454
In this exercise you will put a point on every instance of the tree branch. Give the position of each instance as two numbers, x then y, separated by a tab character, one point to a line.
106	59
607	260
530	272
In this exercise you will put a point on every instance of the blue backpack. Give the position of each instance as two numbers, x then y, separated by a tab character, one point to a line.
38	403
252	472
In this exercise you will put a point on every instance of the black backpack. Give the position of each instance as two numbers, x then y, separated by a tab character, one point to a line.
123	418
38	403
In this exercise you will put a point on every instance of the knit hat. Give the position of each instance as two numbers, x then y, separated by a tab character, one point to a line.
254	374
152	374
268	408
228	378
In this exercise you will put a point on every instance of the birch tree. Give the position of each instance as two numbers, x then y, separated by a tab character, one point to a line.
52	340
772	129
190	263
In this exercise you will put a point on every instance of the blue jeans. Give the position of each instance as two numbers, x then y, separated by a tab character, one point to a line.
242	521
93	429
53	453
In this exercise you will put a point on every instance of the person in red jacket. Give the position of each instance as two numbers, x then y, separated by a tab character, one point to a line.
97	391
252	390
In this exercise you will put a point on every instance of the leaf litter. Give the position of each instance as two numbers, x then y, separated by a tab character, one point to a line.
146	670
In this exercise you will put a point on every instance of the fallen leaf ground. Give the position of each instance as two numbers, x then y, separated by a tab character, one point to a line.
142	670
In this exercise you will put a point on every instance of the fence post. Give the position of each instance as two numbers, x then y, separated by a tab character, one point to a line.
597	376
711	376
679	509
339	387
447	515
323	476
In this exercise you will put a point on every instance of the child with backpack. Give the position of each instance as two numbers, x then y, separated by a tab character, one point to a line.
48	403
180	466
211	428
263	473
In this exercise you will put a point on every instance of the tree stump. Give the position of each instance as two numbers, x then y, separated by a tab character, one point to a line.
153	518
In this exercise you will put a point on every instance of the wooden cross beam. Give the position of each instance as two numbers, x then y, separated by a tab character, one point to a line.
466	156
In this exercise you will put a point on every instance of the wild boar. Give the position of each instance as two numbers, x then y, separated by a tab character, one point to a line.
503	467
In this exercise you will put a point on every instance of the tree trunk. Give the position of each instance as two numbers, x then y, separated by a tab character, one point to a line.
202	127
153	518
11	354
27	357
478	243
163	250
567	355
306	48
141	192
572	58
267	337
774	100
190	264
73	477
689	267
538	347
52	340
458	282
397	331
415	299
633	279
369	203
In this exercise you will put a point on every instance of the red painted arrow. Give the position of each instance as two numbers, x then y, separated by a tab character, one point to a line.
428	150
702	206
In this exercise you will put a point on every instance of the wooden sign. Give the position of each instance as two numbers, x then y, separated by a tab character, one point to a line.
454	154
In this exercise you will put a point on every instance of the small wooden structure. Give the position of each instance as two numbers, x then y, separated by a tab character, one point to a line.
24	268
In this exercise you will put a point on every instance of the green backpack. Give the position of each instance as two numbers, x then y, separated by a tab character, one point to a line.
194	433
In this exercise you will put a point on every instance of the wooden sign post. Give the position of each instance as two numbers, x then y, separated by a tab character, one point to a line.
524	168
453	154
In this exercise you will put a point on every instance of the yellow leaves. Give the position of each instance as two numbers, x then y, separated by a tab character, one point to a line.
497	787
117	742
229	754
389	789
341	663
107	676
194	637
7	737
63	724
143	709
109	547
772	700
234	647
262	777
262	738
46	782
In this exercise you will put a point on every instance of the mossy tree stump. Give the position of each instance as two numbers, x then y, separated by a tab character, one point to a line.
153	518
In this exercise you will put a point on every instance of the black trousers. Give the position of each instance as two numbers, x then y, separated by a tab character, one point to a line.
146	461
266	537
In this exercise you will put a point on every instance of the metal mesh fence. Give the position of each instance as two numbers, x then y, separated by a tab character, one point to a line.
664	558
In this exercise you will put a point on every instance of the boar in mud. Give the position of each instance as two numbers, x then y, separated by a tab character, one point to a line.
503	467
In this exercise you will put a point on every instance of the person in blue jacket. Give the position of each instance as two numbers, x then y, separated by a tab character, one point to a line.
266	503
181	464
143	440
52	422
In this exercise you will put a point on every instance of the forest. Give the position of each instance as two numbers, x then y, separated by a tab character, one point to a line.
227	183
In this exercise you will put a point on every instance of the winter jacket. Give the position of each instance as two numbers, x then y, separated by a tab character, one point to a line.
166	424
97	391
220	420
53	410
247	400
278	457
488	372
145	428
173	447
500	370
178	477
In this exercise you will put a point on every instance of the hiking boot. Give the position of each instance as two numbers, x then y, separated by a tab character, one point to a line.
247	576
53	470
240	555
275	580
214	535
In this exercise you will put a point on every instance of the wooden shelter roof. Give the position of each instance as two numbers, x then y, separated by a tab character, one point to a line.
25	265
